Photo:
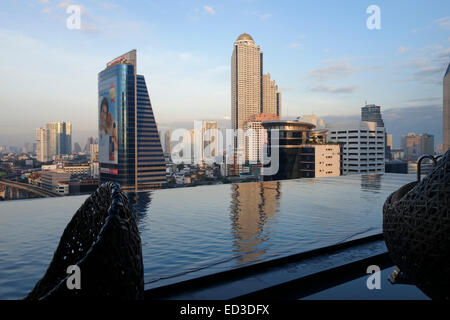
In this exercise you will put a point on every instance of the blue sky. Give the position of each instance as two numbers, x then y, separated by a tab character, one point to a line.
323	57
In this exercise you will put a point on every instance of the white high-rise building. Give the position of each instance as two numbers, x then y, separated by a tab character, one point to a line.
363	146
42	136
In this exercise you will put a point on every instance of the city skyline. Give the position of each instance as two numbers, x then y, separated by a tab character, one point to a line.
328	65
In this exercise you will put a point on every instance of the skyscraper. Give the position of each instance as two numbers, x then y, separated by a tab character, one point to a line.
246	83
60	138
446	112
42	137
130	151
252	93
372	113
271	96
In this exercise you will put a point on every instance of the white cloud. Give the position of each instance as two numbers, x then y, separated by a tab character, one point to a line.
444	22
331	89
402	49
294	45
209	10
262	16
338	69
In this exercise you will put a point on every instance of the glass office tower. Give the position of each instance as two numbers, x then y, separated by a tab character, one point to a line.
130	151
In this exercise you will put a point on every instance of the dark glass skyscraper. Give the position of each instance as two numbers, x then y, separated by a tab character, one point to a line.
372	113
130	151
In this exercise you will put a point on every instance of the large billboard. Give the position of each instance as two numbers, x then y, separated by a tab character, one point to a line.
108	117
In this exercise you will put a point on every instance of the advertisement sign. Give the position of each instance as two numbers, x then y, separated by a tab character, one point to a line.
108	116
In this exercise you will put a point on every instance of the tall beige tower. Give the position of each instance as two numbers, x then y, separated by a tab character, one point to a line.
271	96
246	82
446	115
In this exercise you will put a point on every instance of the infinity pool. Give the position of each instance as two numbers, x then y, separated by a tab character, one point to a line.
189	232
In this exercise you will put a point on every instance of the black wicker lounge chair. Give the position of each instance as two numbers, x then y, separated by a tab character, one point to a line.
102	239
416	227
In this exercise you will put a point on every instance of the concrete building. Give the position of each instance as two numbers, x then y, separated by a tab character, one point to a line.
320	160
446	111
256	136
417	145
42	137
78	170
363	146
51	179
271	96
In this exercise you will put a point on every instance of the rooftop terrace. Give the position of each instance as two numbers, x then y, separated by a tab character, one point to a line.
189	233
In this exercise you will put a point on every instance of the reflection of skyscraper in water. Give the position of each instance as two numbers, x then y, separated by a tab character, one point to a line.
370	182
139	203
253	207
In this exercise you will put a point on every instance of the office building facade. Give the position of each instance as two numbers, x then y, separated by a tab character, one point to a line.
130	151
363	146
60	138
416	145
372	113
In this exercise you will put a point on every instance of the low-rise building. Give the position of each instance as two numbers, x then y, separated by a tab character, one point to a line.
320	160
50	179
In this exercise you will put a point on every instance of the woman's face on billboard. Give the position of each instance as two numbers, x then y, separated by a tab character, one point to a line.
104	112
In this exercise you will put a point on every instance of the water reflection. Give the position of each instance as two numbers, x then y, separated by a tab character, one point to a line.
371	182
253	206
140	204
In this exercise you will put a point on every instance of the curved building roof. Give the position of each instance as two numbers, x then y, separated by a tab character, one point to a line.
245	36
448	70
287	123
